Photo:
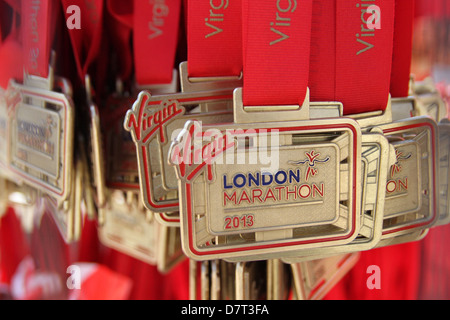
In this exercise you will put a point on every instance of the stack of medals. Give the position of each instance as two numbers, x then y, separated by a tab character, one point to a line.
290	140
265	175
125	224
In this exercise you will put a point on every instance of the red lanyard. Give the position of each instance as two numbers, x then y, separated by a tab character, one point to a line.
153	27
276	37
86	41
402	51
11	58
350	60
155	39
214	31
120	23
38	21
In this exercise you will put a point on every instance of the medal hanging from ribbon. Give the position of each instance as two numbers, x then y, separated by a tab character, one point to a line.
42	118
154	45
233	209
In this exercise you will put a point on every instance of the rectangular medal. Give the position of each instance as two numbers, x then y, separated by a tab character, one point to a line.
236	206
427	101
41	139
412	184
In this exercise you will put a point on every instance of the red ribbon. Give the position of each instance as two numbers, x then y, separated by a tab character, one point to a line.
119	20
38	26
87	40
350	57
155	39
276	37
11	51
214	38
402	51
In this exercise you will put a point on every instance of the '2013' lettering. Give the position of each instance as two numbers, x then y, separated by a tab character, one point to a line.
236	222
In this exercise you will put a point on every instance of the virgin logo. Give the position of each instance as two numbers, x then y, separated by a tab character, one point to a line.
192	157
194	150
145	121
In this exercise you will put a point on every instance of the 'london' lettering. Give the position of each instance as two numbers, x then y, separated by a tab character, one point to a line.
261	179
